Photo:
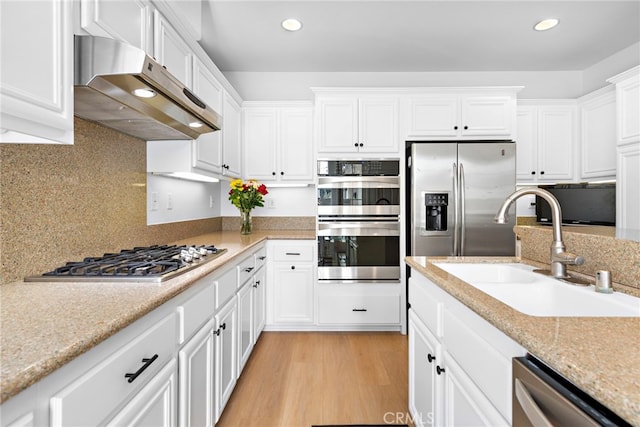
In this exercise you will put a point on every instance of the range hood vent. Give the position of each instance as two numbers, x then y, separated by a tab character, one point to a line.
109	72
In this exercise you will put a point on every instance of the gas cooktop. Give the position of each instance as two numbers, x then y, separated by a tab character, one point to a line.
153	264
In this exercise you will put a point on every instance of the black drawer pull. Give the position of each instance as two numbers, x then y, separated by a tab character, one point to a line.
430	358
262	258
147	362
248	269
255	285
359	309
224	325
439	370
217	332
293	253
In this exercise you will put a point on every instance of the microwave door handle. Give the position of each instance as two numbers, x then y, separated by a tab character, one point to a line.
463	225
455	209
529	406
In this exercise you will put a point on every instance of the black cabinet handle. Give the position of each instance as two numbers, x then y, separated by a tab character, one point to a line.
292	253
533	172
255	285
293	267
541	172
248	269
273	173
439	370
262	258
359	309
361	144
455	128
217	332
466	127
147	362
355	145
224	325
281	172
430	357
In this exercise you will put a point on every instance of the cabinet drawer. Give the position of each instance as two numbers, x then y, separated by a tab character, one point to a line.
293	253
424	304
96	394
359	309
226	286
196	310
245	269
260	257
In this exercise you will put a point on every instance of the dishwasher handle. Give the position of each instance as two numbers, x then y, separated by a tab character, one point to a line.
529	406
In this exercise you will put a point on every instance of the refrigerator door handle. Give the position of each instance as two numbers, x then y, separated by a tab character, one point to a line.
456	214
462	208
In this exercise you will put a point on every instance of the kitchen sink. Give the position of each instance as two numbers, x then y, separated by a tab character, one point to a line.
533	294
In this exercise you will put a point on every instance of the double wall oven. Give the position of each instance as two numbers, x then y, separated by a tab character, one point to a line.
358	220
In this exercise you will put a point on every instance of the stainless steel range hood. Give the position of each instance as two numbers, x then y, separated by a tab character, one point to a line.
109	74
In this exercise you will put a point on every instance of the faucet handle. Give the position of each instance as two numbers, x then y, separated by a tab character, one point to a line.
568	258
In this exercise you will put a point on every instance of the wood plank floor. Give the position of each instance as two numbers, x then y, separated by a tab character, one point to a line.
297	379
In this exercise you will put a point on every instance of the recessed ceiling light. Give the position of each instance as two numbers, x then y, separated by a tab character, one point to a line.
144	93
546	24
291	24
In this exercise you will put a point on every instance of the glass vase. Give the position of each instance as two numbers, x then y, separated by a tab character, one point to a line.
246	225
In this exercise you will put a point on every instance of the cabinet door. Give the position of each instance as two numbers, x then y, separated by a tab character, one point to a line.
487	116
464	403
260	137
378	125
556	143
208	147
628	93
293	293
225	348
598	121
295	144
195	394
231	137
36	72
259	303
526	152
155	405
171	50
245	324
628	188
338	125
423	387
125	21
433	116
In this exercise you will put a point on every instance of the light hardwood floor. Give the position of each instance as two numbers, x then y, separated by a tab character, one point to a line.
297	379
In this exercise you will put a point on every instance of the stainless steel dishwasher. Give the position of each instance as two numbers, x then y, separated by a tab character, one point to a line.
543	398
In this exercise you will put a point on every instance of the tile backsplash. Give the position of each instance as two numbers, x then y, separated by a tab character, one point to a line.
65	202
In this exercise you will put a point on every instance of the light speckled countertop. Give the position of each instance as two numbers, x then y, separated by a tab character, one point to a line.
601	355
46	325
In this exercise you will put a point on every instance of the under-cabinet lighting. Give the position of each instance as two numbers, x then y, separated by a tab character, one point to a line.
287	185
189	176
546	24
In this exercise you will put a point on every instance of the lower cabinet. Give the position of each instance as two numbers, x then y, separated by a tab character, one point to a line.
353	304
459	364
259	303
628	189
226	336
245	324
196	388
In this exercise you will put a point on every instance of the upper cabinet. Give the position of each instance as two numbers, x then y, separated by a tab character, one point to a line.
546	141
208	147
36	72
129	22
278	141
357	124
231	137
628	105
598	134
170	50
480	114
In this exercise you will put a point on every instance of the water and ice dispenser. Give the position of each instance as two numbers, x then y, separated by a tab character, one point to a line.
436	211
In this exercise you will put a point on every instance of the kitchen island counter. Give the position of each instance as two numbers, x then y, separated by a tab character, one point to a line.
46	325
598	354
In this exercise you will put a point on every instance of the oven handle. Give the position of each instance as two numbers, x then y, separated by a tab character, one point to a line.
359	182
529	406
359	229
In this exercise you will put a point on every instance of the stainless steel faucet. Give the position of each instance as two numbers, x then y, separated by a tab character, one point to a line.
559	257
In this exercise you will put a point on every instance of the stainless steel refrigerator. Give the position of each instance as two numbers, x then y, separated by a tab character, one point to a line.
456	188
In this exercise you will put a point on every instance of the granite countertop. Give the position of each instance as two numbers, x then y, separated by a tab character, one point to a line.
46	325
598	354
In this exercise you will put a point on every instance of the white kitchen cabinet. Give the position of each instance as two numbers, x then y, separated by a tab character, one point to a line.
259	303
628	105
598	134
155	405
171	51
231	137
291	278
207	148
245	324
36	72
546	142
471	384
226	347
129	22
628	187
278	142
358	124
196	388
462	116
359	305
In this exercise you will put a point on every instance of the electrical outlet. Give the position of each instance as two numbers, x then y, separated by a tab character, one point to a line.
271	203
210	200
169	201
154	201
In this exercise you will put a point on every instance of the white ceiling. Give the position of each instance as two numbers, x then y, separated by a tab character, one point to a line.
418	35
